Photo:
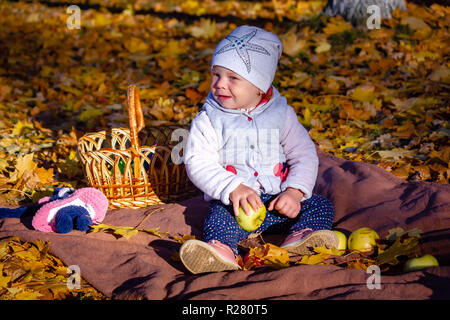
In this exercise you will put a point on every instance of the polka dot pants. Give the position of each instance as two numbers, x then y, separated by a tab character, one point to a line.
316	213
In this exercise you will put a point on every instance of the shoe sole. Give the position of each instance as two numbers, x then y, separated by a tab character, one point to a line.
316	239
198	257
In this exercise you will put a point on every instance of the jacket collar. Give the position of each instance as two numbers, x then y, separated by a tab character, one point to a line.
260	108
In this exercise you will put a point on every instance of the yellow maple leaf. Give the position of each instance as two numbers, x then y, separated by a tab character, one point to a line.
162	109
173	48
275	256
322	253
336	26
46	71
45	176
307	117
23	164
28	295
61	270
206	29
329	251
267	254
136	45
101	19
364	93
126	232
27	255
322	47
314	259
183	238
20	126
292	44
154	231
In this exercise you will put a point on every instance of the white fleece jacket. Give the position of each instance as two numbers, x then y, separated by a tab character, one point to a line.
203	160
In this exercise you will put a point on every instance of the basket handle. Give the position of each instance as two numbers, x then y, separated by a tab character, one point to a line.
136	124
136	116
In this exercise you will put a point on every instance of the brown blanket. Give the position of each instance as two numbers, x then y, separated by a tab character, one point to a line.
363	195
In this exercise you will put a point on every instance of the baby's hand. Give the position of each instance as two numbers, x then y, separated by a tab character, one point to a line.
243	195
287	202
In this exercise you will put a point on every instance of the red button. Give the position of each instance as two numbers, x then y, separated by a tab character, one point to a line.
255	174
249	119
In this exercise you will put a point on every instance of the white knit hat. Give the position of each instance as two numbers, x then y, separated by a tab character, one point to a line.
252	53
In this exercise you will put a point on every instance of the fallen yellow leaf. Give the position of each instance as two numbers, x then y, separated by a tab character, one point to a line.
206	29
322	47
314	259
183	238
134	45
293	45
336	26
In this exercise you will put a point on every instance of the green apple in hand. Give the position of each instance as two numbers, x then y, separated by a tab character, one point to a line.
253	220
422	262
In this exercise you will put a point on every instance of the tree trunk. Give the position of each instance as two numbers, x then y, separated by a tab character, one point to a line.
355	11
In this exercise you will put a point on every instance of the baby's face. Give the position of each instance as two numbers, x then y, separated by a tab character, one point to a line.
232	91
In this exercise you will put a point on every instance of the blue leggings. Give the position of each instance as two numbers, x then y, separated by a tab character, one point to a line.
316	213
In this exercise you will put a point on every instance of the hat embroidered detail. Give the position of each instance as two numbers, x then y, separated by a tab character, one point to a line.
241	45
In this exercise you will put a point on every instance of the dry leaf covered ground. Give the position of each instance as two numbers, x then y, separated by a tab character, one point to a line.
28	272
378	96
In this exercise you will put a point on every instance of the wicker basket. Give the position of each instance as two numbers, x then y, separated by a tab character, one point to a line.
130	175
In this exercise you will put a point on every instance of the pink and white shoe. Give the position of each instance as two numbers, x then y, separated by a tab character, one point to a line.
213	256
93	200
301	242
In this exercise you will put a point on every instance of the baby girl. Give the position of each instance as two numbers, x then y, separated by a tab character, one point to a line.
247	148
